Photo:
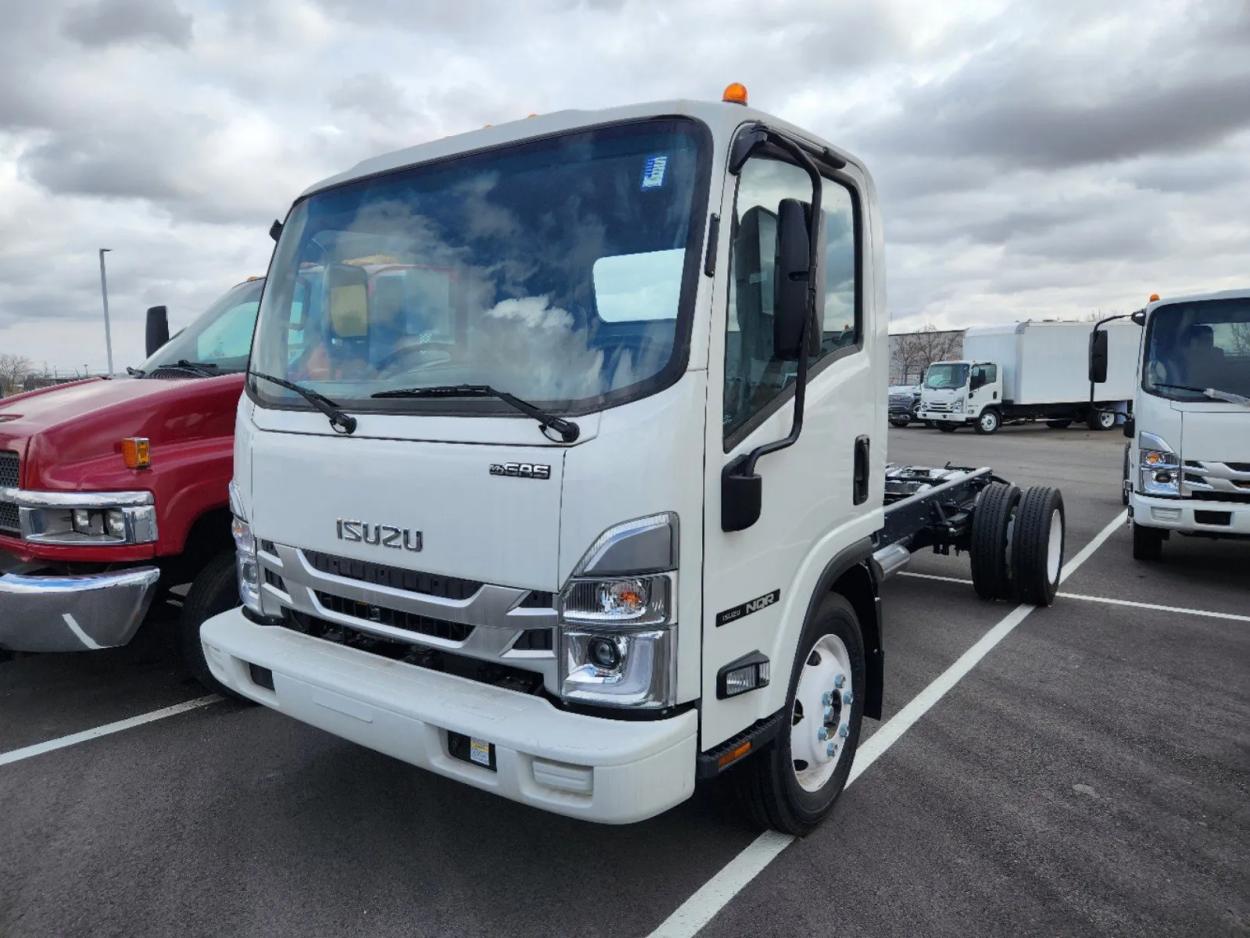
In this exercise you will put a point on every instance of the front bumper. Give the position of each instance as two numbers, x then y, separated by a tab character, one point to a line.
593	768
52	612
942	416
1183	514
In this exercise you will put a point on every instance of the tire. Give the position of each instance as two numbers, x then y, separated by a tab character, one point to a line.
1037	545
1125	484
989	551
215	590
988	422
1100	420
899	422
1058	424
1147	543
947	427
776	792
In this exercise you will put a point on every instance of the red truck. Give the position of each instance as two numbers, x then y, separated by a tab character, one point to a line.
113	492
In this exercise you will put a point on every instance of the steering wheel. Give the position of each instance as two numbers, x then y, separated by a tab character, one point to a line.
444	350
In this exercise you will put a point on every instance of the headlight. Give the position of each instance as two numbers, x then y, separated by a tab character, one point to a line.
245	563
1159	467
87	519
617	634
957	407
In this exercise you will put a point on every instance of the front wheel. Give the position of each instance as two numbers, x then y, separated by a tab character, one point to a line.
988	422
1126	485
792	785
1100	420
899	422
1147	543
215	590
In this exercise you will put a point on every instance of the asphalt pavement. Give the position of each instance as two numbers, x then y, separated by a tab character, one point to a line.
1088	774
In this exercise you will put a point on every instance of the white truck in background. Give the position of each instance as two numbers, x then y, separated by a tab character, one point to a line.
1029	371
586	498
1187	465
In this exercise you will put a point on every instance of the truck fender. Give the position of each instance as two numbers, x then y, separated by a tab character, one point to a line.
850	573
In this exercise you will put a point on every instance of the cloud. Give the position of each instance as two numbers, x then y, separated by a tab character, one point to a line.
112	22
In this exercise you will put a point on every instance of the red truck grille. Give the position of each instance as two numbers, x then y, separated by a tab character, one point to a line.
9	466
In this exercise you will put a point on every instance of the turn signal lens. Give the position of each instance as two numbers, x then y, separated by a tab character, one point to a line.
735	93
137	452
1154	298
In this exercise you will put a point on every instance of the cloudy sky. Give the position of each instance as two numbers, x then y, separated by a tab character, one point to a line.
1033	159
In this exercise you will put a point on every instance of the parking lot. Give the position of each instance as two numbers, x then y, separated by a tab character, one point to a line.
1079	769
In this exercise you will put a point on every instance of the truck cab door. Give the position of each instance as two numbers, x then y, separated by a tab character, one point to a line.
820	492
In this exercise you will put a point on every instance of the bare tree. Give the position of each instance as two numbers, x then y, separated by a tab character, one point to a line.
913	352
13	371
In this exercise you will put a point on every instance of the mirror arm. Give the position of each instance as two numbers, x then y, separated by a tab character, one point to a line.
813	257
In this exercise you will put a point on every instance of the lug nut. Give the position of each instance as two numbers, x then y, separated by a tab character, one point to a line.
843	730
839	681
830	750
847	698
822	733
826	699
828	714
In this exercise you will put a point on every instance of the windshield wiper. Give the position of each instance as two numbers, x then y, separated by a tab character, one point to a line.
1214	394
341	422
201	369
568	430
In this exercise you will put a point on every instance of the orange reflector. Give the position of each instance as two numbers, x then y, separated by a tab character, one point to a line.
733	755
1154	298
136	452
735	93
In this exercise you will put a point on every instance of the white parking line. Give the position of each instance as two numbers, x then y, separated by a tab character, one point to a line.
716	893
1180	610
38	749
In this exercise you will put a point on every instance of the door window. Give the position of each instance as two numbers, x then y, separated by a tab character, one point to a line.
754	377
984	374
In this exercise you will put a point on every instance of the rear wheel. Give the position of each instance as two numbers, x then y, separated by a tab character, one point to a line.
1058	424
988	422
215	590
1100	420
793	784
1037	545
989	555
1147	543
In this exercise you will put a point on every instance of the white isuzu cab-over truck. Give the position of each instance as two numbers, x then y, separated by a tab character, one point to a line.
1187	467
560	468
1028	371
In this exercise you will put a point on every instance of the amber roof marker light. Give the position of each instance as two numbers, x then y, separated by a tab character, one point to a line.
1154	298
735	93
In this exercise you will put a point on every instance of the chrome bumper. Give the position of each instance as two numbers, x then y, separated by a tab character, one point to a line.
51	612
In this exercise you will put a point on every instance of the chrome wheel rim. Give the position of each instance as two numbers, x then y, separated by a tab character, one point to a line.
821	719
988	421
1054	547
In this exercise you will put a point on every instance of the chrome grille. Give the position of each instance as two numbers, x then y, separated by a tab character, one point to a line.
9	466
1215	480
939	407
900	402
504	625
9	521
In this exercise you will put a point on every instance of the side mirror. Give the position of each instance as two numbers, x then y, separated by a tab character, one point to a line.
157	332
790	284
275	230
741	495
1098	356
1139	317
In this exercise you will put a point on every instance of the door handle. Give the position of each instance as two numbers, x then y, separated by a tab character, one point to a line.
859	486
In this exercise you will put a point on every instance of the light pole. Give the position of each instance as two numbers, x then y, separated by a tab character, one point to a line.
104	293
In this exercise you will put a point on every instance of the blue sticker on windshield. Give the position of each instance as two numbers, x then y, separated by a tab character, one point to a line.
653	171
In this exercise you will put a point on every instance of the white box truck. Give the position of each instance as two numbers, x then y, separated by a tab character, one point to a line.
1187	465
560	469
1028	371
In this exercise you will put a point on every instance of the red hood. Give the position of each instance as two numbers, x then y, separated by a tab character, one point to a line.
69	436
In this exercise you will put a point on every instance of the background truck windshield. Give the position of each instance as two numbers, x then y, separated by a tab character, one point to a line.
1200	345
946	376
560	270
222	336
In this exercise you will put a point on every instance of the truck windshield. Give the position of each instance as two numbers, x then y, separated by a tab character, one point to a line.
946	375
219	340
1199	346
560	270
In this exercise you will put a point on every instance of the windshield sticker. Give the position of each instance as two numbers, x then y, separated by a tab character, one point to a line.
653	171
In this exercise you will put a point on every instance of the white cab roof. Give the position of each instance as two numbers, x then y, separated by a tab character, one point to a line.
720	117
1241	294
